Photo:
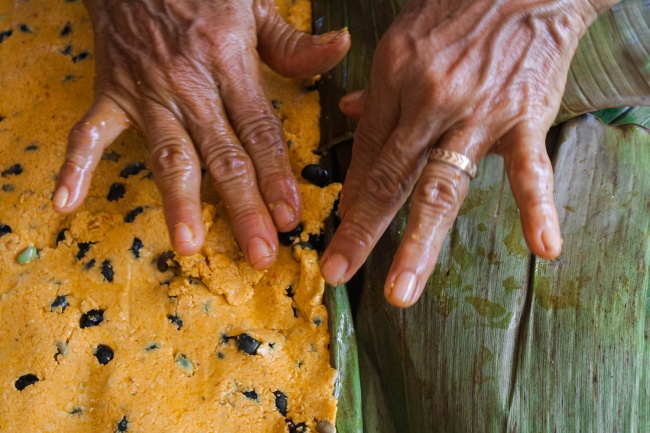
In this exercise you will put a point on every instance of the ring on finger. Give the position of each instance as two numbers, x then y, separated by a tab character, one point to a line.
454	159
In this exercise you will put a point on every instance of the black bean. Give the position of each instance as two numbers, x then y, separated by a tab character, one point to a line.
132	169
70	77
111	156
318	241
250	394
67	50
287	238
4	230
31	148
289	291
318	321
136	246
81	56
61	236
281	402
84	247
104	354
91	264
66	30
122	426
247	344
176	321
15	170
61	302
116	192
8	187
24	28
91	318
316	175
130	217
5	34
162	260
296	428
25	380
107	270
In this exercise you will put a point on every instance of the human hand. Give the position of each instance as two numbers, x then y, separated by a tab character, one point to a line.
471	77
187	74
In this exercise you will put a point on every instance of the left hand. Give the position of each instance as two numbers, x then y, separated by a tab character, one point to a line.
471	77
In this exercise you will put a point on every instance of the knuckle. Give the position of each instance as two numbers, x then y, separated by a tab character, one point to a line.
262	133
438	195
386	185
81	132
277	184
245	215
357	235
529	162
227	165
172	159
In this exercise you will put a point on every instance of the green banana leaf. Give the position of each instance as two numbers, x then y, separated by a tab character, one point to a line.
502	341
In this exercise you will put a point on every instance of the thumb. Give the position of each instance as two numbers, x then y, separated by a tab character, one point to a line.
293	53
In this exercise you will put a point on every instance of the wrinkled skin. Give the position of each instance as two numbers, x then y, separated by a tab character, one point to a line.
468	76
472	77
187	74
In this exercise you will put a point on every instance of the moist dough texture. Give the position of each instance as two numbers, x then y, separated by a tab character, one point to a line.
97	332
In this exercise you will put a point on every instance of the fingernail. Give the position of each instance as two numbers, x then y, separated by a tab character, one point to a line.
335	268
60	198
552	241
351	98
183	233
404	288
259	250
331	37
283	215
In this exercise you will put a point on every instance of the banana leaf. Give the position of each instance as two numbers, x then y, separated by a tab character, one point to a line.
503	341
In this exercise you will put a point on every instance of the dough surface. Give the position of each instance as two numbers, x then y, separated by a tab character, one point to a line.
97	333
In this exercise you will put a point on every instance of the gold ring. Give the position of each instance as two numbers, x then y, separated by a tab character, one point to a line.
455	159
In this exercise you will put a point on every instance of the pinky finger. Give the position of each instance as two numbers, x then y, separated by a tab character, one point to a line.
88	138
530	174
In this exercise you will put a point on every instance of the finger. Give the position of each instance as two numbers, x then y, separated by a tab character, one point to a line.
293	53
253	119
88	138
353	104
530	174
436	200
374	129
234	179
387	185
177	172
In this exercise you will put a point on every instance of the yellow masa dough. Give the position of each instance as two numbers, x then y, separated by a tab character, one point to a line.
172	343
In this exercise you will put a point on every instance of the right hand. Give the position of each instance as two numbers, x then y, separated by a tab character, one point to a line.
187	74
